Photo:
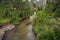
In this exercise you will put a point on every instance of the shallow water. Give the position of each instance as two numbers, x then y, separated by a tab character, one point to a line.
22	32
30	34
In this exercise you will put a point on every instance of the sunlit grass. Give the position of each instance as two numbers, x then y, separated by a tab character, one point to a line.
4	20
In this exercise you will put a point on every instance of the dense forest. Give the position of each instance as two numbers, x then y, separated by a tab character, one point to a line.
45	15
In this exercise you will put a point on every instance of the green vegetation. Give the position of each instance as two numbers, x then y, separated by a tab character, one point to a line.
47	23
43	28
14	13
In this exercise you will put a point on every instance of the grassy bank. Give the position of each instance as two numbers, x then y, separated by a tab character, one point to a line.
43	26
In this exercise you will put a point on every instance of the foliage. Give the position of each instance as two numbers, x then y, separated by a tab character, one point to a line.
42	27
49	7
57	12
14	10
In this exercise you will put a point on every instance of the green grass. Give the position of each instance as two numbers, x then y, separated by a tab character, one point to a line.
4	20
42	27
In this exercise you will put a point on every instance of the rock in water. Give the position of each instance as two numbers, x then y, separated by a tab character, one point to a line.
7	27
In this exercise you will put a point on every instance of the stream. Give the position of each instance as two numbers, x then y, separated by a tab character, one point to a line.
30	34
24	31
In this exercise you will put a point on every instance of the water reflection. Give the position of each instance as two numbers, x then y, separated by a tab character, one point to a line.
30	34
